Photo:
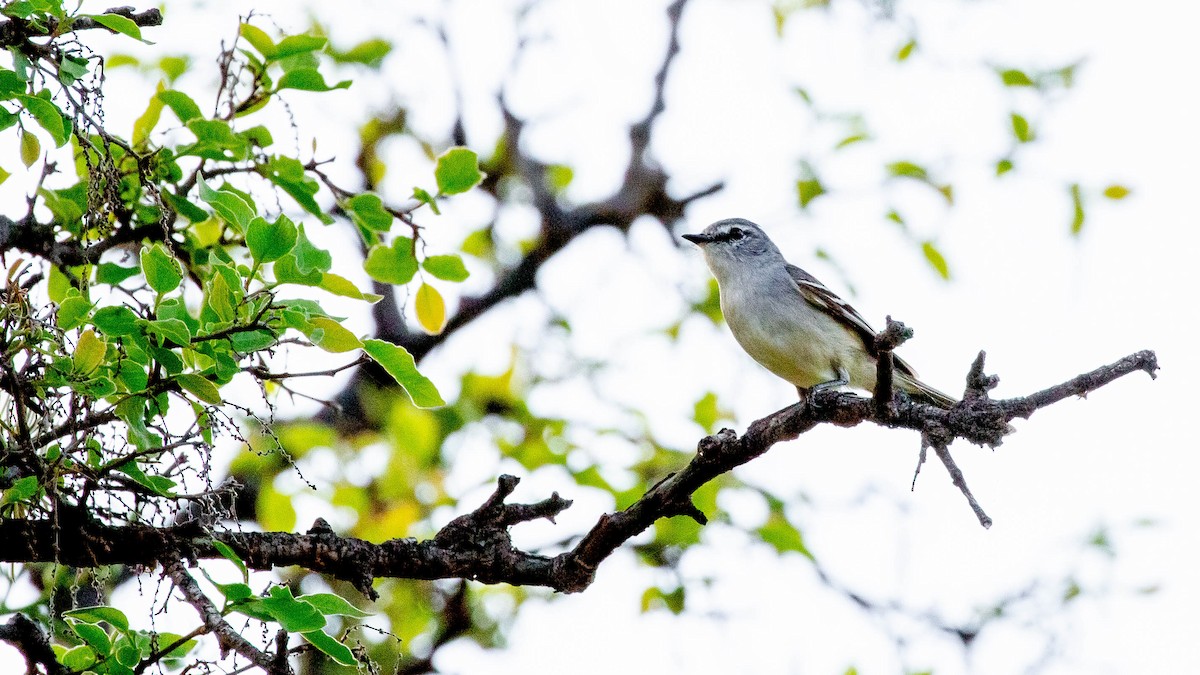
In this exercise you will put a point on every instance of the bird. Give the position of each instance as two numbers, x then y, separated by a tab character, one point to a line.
791	323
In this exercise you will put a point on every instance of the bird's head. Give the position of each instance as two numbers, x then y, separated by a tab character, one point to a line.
733	244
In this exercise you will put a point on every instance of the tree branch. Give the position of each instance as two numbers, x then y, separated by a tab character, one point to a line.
478	546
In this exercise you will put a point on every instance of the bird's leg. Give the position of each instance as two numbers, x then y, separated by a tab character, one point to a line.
843	379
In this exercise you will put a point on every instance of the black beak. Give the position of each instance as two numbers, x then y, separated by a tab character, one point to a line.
698	239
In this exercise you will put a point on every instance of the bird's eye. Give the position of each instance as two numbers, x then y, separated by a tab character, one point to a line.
736	234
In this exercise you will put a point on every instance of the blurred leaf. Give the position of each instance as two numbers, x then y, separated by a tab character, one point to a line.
1003	166
936	260
181	104
1015	78
906	51
369	53
1021	130
851	140
559	176
258	39
1078	215
908	170
1116	192
706	413
31	149
431	309
457	171
809	189
308	79
781	534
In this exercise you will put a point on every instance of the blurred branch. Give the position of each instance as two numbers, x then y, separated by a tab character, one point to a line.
29	639
477	546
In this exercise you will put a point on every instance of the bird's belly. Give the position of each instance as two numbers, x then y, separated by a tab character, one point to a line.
805	353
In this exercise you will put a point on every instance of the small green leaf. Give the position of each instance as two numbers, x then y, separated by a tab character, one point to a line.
181	104
293	615
31	149
115	617
457	171
175	330
232	556
21	490
935	259
906	51
119	24
430	308
269	242
332	648
1078	215
782	535
1003	166
299	44
145	124
1015	78
808	190
162	271
559	176
308	79
116	321
95	636
229	206
308	256
334	337
446	267
1021	129
851	140
422	195
1116	192
48	116
258	39
400	365
368	211
908	170
200	387
329	604
339	285
393	264
89	352
369	53
72	312
287	272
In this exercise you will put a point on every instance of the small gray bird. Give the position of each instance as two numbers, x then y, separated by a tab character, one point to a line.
791	323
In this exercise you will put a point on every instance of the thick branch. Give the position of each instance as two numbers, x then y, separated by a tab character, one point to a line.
32	642
229	638
477	545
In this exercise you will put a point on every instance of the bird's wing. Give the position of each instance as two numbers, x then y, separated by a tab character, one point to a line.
819	296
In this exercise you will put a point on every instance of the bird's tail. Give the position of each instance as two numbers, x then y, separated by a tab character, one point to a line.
923	392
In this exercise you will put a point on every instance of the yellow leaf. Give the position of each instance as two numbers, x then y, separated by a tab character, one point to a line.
334	338
431	309
31	148
89	352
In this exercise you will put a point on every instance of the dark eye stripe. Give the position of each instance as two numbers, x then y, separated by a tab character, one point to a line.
732	235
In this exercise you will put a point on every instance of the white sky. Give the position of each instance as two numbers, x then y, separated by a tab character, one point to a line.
1046	306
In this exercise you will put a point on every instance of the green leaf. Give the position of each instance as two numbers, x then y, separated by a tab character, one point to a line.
4	175
447	267
393	264
400	365
175	330
286	272
431	309
308	79
119	24
369	53
1078	215
220	298
229	206
1021	129
162	271
308	256
334	649
1116	192
936	260
115	617
457	171
293	615
48	116
258	39
809	189
200	387
782	535
116	321
89	352
31	149
422	195
269	242
908	170
1015	78
247	342
906	51
851	140
339	285
329	604
559	176
95	636
368	211
289	174
21	490
232	556
145	124
72	312
11	84
181	104
1003	166
132	375
299	44
333	336
706	413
